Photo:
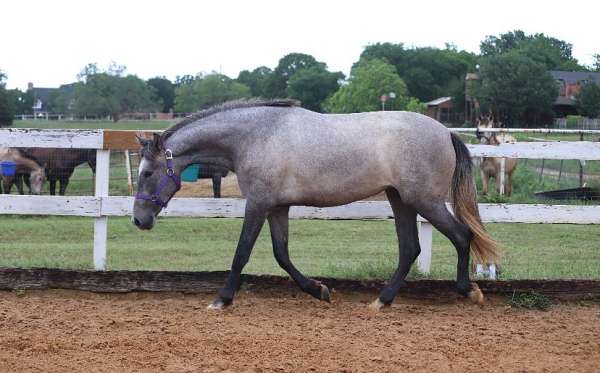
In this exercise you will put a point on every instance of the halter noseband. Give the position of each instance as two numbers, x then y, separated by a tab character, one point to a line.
169	175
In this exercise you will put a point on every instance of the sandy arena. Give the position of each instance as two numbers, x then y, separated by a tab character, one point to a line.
267	330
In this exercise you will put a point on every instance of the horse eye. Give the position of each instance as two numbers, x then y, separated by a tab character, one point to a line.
147	173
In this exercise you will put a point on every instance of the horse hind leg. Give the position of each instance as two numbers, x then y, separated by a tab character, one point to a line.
405	218
278	223
460	235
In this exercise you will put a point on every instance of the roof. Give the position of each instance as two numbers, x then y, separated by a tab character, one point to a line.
575	76
438	101
43	94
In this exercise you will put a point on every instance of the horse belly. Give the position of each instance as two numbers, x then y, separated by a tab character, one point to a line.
334	186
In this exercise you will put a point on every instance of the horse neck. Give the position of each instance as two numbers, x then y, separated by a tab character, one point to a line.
28	164
208	142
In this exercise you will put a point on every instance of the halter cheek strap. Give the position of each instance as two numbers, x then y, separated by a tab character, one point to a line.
169	175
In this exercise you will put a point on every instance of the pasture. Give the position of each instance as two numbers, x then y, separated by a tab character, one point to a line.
324	248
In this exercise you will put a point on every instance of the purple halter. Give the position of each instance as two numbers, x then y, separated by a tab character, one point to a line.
169	175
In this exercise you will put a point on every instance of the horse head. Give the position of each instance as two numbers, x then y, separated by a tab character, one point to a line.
486	137
158	181
37	177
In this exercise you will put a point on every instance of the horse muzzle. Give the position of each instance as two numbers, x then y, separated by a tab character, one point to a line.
143	223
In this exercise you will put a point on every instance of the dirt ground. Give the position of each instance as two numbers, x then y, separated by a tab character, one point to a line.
60	330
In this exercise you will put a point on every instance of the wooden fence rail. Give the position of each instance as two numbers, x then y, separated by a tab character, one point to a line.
101	206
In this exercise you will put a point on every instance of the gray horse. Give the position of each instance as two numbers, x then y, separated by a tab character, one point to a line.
284	155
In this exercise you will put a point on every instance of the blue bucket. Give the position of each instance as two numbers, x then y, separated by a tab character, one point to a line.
9	168
190	173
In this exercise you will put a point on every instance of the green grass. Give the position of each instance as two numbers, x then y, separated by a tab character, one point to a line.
147	125
343	249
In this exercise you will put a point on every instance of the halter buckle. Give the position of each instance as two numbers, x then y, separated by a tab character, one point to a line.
168	154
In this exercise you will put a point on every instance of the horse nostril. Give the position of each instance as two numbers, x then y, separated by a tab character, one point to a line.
136	222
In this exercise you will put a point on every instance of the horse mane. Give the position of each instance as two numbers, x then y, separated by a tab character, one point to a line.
229	105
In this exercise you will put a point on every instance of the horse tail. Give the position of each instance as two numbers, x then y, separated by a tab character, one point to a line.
464	199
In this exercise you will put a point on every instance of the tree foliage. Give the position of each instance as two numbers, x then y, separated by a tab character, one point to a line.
553	53
276	84
206	91
7	108
111	93
368	81
163	88
588	99
257	80
515	88
429	73
313	85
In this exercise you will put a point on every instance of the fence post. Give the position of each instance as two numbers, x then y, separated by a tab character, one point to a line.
502	174
101	222
128	169
425	239
580	165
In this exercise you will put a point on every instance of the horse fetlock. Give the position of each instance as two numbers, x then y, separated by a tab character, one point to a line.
318	290
219	304
475	294
377	304
325	295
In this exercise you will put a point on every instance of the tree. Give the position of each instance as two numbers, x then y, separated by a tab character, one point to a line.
276	84
596	64
7	109
257	80
206	91
163	89
587	99
553	53
313	85
22	101
515	88
429	73
368	81
108	92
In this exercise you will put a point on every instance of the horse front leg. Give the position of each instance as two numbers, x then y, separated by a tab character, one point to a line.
278	223
484	182
254	219
52	186
216	180
508	184
62	188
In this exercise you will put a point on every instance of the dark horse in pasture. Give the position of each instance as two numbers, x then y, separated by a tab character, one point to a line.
216	173
59	164
284	155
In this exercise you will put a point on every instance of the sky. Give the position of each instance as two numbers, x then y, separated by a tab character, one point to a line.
49	42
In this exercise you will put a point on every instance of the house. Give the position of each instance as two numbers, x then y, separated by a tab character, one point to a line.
43	98
442	110
569	83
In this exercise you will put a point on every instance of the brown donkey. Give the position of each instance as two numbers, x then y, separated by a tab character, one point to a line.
491	166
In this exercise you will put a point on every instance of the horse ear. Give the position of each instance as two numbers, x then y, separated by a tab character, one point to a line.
157	142
139	136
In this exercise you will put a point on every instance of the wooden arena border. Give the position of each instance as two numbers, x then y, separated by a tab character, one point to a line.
211	282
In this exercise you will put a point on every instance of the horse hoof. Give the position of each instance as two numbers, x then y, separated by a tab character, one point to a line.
475	295
217	305
325	296
376	305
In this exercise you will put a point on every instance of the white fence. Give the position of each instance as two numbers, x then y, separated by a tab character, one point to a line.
101	206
